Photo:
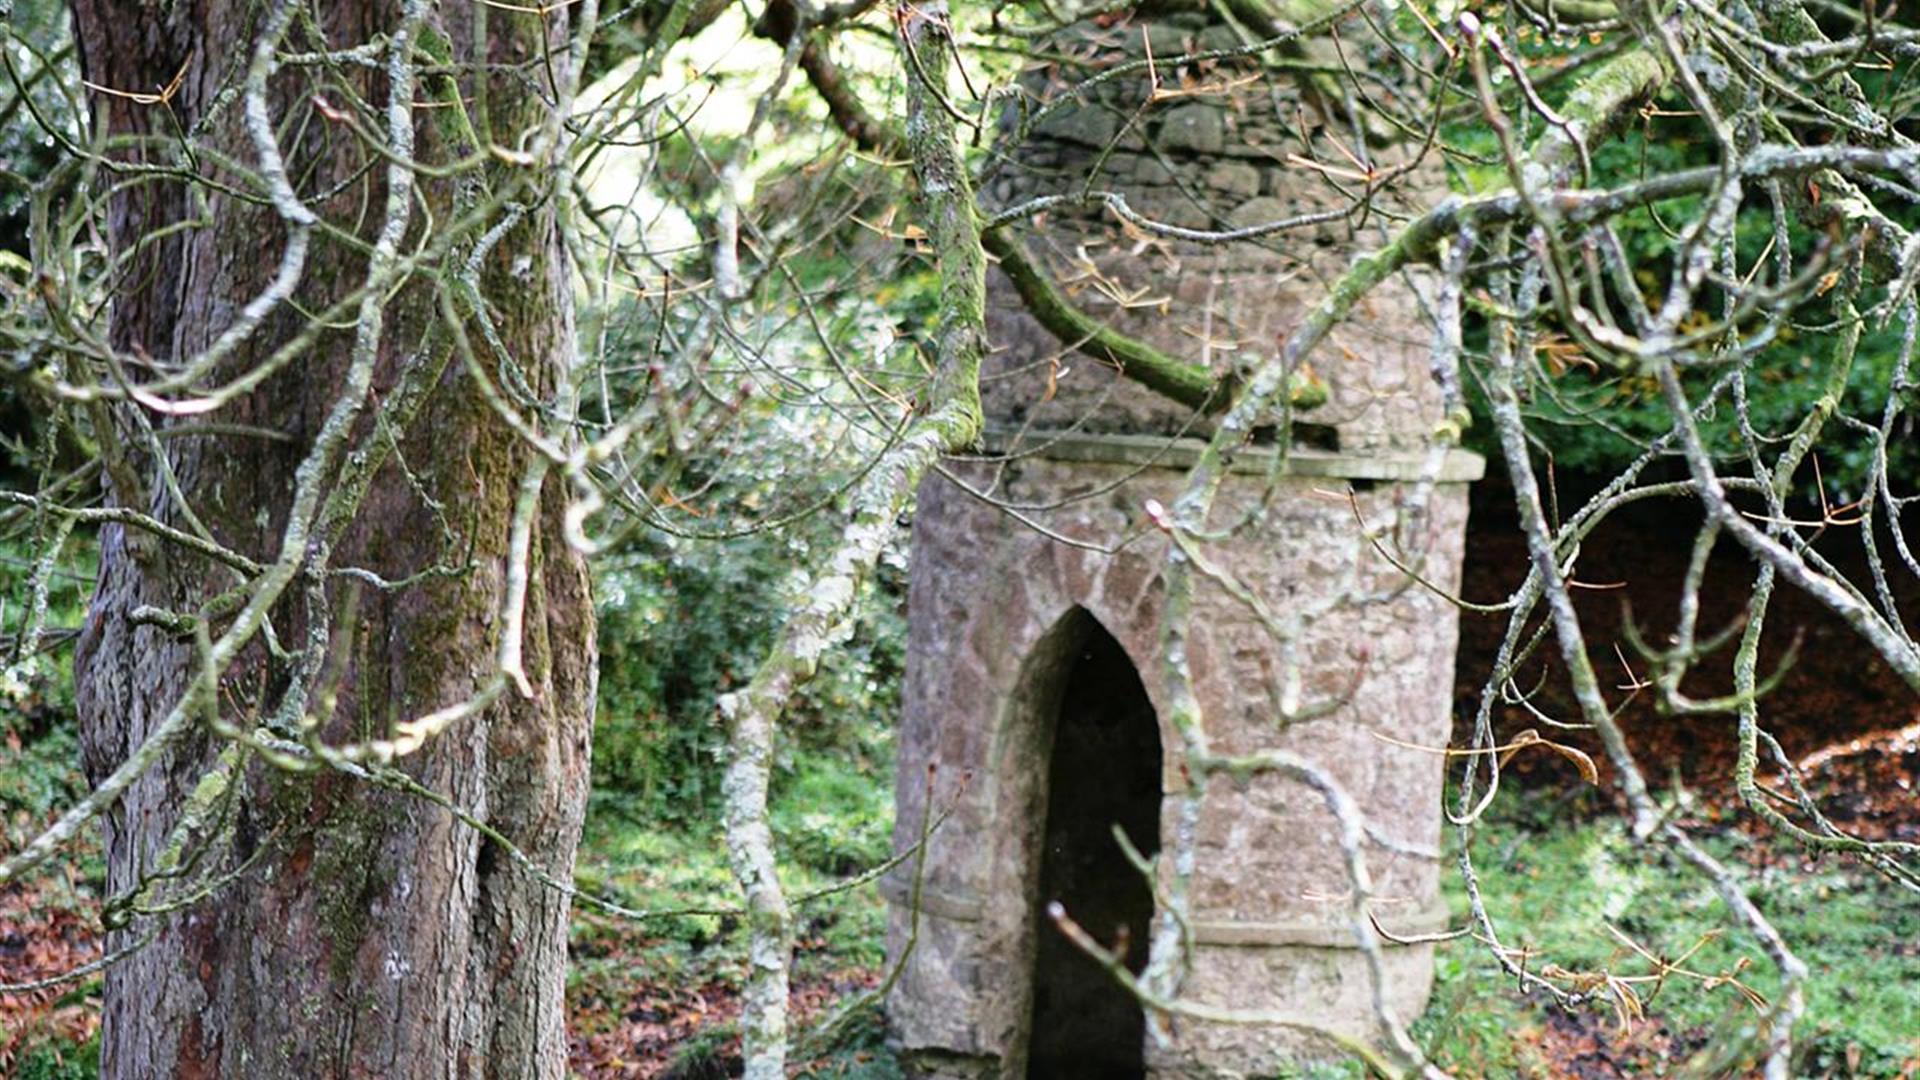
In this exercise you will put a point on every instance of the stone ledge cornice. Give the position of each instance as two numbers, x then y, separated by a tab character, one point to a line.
1162	452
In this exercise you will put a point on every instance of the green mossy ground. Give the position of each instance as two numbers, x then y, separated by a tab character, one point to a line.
1556	872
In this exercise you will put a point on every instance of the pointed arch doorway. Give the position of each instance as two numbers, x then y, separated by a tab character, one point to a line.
1104	770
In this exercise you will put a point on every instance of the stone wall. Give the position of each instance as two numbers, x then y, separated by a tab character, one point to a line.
986	594
1211	161
997	591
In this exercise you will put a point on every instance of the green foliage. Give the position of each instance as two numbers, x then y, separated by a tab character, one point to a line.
861	1052
675	632
1476	1025
39	85
40	56
1323	1070
689	612
834	818
704	1056
60	1061
628	855
38	736
40	775
1590	415
683	870
625	854
678	630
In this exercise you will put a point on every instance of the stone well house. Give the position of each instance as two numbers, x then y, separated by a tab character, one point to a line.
1034	677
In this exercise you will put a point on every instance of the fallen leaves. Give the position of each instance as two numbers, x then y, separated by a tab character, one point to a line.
40	937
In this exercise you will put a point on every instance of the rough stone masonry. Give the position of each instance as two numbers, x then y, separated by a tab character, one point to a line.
1035	557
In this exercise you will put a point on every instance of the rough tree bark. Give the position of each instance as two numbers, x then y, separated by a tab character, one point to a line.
371	934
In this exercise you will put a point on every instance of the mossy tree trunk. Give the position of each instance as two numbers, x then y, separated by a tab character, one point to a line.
370	933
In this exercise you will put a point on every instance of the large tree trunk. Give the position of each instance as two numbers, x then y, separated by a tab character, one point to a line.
371	933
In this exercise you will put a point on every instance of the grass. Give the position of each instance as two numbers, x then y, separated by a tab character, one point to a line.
829	823
667	986
1556	881
1556	872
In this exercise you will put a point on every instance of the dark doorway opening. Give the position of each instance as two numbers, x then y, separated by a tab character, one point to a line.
1104	770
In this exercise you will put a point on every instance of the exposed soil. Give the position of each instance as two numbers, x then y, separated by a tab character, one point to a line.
1835	694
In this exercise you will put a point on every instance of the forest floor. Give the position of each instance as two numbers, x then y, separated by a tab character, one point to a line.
1587	899
1559	874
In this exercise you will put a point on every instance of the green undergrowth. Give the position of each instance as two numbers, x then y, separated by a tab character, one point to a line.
46	1037
56	1061
39	740
1557	877
832	818
1560	877
684	876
